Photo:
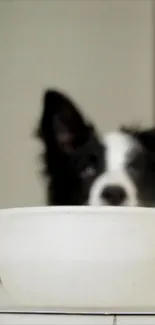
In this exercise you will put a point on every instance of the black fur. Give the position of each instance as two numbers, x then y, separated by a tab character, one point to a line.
72	147
145	136
144	164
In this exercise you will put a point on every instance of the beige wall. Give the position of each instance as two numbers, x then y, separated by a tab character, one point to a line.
99	51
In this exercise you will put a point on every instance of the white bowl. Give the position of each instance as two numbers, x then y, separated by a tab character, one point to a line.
79	257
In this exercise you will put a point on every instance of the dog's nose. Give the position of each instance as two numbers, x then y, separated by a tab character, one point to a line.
114	195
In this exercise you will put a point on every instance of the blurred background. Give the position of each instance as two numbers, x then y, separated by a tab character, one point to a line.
100	52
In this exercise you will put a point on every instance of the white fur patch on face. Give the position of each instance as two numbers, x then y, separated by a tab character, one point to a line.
117	150
117	146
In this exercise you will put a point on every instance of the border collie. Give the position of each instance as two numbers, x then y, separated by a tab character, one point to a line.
84	169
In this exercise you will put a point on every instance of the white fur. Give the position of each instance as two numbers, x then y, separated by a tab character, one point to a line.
117	148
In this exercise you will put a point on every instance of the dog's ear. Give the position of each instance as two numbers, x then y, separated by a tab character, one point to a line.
62	121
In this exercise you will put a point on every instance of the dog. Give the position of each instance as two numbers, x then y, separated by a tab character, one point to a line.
85	168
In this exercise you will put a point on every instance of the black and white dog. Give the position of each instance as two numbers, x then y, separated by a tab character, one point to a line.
84	169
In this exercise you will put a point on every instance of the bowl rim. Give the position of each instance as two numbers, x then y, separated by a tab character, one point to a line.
78	209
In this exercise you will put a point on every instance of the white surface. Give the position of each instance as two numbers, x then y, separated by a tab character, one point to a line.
5	299
100	52
55	319
135	320
88	258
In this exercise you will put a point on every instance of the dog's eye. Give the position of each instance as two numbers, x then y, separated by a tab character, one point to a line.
136	164
88	172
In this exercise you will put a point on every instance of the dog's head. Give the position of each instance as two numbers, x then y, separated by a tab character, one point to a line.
73	153
128	178
83	169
